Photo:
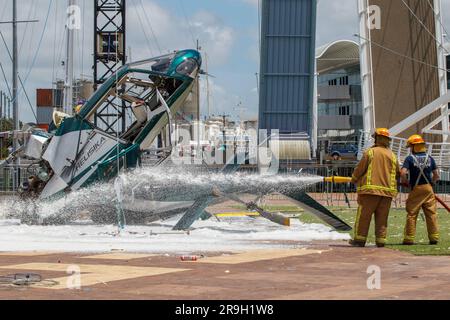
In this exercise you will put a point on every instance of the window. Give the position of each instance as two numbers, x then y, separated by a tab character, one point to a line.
344	110
343	81
448	72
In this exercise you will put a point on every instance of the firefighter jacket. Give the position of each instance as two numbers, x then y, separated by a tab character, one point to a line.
377	173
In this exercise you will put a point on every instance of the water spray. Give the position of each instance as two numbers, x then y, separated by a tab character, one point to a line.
118	187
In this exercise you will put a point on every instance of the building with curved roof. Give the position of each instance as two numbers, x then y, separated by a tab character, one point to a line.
336	55
339	93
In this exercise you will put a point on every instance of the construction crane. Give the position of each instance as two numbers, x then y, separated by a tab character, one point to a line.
109	56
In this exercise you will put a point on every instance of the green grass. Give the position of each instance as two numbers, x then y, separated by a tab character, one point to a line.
397	220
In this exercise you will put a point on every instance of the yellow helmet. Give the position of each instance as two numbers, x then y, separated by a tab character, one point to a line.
383	132
78	108
414	140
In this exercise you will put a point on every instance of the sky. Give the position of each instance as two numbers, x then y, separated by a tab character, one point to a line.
227	31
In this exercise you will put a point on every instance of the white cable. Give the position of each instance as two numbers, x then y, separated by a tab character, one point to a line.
83	38
440	19
26	26
54	43
187	21
5	8
118	108
401	54
424	26
151	27
143	28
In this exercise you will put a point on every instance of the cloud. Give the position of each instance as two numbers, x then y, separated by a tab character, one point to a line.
216	39
170	29
252	2
174	32
336	20
151	30
221	100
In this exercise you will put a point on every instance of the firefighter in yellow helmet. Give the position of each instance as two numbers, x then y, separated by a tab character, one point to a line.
423	173
376	176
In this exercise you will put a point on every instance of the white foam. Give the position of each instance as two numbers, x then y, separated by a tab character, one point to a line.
171	180
227	235
231	235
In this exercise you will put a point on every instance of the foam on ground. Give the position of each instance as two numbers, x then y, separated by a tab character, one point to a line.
237	234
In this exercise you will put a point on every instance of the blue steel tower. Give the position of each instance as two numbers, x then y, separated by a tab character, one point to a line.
288	31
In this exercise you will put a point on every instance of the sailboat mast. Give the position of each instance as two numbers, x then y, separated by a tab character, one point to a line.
68	83
15	72
207	87
15	91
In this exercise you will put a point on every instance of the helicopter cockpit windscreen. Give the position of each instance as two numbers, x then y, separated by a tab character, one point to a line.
134	99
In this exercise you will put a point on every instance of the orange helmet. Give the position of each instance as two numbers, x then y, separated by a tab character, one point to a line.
415	139
383	132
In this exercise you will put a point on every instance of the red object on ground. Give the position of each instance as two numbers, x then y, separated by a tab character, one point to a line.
189	258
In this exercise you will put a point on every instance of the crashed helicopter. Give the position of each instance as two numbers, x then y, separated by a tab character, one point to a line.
77	153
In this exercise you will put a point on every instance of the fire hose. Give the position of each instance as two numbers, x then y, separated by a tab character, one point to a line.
341	180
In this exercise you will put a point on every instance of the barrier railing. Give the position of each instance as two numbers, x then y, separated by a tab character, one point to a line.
7	178
329	194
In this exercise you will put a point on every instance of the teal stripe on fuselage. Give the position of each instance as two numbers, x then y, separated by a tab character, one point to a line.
72	124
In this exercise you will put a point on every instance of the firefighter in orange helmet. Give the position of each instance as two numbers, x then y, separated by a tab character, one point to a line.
423	173
376	177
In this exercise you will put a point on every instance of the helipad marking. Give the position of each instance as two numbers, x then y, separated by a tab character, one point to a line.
120	256
258	255
237	214
92	274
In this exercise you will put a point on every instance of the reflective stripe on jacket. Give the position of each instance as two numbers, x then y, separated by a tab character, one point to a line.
377	173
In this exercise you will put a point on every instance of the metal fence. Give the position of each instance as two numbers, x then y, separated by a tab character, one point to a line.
7	178
329	194
439	151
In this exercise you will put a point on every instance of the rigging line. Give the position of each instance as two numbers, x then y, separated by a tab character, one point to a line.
401	54
54	42
6	46
20	79
37	50
5	8
117	91
440	18
423	25
83	38
60	51
30	44
28	99
187	21
142	26
26	25
6	80
151	27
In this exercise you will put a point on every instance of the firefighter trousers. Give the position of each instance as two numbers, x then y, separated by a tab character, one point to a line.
368	206
421	197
